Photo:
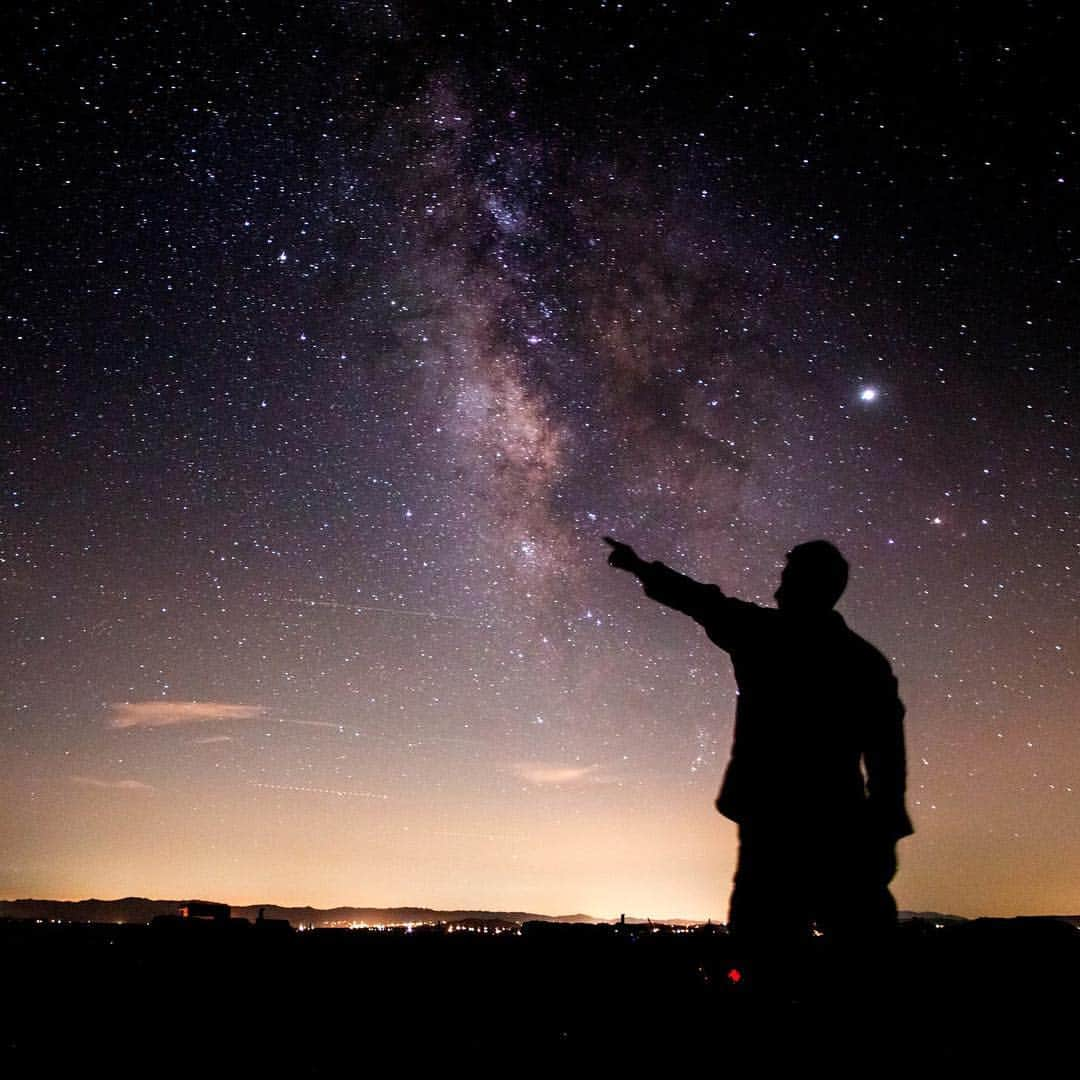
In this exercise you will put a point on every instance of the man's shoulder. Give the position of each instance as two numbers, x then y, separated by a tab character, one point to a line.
869	656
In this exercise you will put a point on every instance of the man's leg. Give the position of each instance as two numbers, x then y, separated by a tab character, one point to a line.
857	913
769	917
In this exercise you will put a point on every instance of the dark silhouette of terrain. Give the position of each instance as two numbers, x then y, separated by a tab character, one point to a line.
207	1000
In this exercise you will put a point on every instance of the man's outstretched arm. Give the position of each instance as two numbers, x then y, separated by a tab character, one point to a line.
664	585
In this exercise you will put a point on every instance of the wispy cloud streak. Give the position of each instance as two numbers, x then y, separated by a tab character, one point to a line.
127	714
112	785
534	772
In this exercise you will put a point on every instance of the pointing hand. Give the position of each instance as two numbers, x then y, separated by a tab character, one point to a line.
623	556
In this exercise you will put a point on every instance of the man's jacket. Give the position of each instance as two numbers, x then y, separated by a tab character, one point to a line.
819	738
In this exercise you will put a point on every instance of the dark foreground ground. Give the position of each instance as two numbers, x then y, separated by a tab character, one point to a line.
234	1000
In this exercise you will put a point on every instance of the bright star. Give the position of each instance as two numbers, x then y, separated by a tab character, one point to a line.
868	393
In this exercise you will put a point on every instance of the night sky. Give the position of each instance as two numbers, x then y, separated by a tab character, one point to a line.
336	336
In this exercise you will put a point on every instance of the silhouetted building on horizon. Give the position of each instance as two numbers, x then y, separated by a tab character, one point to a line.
205	909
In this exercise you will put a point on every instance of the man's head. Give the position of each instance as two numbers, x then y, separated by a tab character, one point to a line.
814	578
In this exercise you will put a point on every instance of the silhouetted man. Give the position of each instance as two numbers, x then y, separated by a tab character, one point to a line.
817	771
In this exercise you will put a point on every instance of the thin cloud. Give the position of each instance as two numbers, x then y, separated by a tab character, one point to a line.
213	739
127	714
540	773
112	785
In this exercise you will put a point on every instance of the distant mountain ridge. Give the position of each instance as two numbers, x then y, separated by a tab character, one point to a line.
138	909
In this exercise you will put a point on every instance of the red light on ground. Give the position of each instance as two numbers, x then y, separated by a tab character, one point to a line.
734	976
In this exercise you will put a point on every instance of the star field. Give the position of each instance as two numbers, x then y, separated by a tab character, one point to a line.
336	335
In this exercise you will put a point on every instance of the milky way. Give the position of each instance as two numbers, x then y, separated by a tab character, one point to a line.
338	335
